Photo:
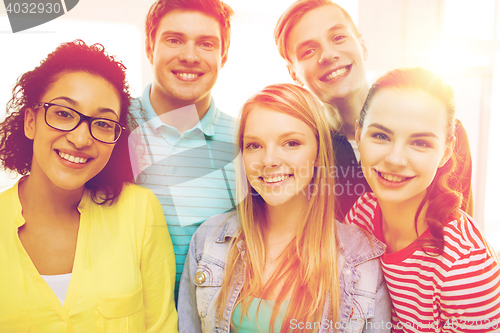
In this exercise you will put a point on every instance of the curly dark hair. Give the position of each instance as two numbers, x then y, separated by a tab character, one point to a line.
16	150
443	199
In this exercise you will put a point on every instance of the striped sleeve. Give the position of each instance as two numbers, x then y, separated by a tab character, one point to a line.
362	212
470	294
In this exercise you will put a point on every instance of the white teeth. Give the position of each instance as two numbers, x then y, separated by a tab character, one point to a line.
188	76
71	158
275	179
337	73
391	178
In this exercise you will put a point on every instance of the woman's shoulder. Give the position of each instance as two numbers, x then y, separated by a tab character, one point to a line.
133	195
214	236
8	194
133	200
462	235
11	208
219	227
134	191
356	244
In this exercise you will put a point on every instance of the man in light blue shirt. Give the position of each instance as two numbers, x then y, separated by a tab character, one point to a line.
186	149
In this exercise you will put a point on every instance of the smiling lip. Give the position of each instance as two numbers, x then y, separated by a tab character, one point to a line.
391	180
275	179
336	74
186	75
73	160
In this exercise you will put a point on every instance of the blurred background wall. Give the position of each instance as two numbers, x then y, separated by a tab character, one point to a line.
458	39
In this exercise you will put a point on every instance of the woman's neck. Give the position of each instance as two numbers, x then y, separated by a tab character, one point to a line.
283	220
40	197
398	223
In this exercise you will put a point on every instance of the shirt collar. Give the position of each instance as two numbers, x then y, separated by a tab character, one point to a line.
350	237
17	207
230	228
206	125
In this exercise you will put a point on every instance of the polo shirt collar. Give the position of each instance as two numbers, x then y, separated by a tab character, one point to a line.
205	125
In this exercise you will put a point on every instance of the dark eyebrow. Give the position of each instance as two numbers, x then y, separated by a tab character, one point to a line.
415	135
209	37
180	34
172	33
332	29
424	134
75	104
383	128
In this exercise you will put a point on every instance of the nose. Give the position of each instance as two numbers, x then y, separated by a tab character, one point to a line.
397	156
80	136
271	158
189	54
328	55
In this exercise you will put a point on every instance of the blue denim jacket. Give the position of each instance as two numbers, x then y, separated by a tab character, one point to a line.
365	305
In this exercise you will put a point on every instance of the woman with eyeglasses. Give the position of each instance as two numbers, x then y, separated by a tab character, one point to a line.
81	250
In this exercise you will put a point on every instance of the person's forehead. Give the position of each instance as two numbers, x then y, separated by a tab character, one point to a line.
317	22
185	20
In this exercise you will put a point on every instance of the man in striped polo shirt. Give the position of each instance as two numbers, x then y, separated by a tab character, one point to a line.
186	150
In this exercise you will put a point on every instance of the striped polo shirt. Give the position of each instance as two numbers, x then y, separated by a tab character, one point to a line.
191	174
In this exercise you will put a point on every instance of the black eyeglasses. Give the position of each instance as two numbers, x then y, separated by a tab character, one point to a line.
66	119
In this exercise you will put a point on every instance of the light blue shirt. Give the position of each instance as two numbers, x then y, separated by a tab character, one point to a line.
191	174
258	316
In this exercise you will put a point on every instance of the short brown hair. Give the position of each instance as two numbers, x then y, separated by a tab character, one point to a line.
214	8
294	14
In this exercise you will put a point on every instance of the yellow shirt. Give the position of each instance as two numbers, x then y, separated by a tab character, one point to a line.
123	273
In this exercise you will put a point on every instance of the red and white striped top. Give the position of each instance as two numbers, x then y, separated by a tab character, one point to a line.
458	291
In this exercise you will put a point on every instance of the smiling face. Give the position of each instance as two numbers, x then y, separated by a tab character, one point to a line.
68	160
279	160
403	143
327	56
186	56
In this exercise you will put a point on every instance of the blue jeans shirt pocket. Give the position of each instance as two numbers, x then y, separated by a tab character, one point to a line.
208	280
363	308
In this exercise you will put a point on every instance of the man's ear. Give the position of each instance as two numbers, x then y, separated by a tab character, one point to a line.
363	46
29	123
357	135
223	60
150	48
294	76
448	152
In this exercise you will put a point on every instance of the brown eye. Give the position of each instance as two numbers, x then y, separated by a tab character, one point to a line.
380	136
292	144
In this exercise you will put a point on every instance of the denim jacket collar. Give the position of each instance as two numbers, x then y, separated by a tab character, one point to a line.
230	229
349	241
349	248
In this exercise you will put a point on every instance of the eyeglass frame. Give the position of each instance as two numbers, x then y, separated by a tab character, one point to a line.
83	118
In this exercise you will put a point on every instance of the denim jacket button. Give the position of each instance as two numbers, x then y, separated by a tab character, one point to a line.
199	277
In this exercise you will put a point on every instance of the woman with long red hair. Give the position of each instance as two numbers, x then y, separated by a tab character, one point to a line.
440	272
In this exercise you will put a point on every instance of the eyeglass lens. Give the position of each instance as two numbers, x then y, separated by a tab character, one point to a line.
66	119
